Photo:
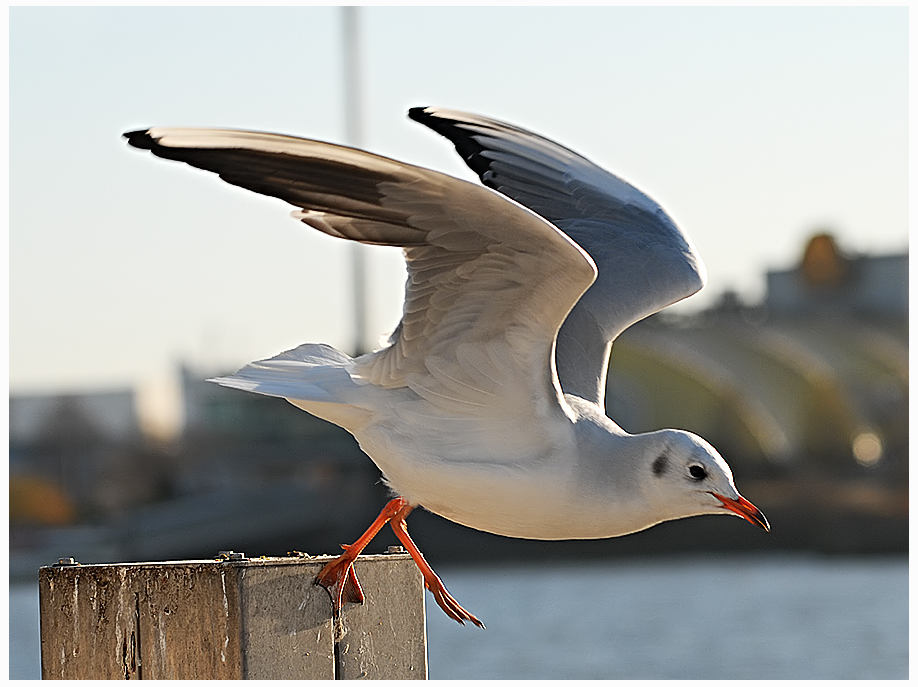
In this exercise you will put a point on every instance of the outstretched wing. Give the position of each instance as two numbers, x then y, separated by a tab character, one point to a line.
489	282
645	261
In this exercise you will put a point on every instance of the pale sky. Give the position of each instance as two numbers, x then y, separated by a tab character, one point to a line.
753	127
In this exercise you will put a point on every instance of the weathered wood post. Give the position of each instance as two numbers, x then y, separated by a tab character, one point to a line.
231	618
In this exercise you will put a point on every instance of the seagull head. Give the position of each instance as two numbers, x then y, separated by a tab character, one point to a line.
687	476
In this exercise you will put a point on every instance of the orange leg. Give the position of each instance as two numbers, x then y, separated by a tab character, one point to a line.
339	578
444	599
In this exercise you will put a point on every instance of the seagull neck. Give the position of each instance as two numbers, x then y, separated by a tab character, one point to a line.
608	480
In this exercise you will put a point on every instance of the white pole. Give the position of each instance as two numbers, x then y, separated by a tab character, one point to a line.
353	107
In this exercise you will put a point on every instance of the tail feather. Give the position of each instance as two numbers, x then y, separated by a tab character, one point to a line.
311	372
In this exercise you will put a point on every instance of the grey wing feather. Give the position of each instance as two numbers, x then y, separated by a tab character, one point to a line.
645	262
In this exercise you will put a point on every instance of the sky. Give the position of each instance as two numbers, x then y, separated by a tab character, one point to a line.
753	127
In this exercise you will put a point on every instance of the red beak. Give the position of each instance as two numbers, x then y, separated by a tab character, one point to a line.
744	509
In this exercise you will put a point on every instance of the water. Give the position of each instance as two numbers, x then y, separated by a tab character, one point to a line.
718	617
25	638
713	617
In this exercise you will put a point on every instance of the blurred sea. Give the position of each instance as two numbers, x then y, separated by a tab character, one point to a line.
715	616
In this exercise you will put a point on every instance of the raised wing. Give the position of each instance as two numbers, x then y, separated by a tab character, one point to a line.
645	261
489	282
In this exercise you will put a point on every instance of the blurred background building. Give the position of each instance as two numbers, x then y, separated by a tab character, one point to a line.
805	395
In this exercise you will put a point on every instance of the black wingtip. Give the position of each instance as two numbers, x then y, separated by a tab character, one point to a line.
446	126
140	139
419	114
461	137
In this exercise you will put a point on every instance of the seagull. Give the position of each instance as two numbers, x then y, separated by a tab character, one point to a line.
486	406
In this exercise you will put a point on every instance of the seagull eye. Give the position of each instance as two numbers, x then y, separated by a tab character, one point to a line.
697	472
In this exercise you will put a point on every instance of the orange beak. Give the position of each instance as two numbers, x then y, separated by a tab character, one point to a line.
744	509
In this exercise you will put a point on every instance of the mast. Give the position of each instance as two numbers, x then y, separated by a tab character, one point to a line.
353	107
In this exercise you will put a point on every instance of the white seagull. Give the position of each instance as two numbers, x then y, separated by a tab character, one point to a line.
486	406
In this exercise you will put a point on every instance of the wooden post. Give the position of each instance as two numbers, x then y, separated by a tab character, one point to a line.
233	618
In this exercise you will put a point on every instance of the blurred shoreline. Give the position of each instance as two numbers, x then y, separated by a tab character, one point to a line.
805	395
851	517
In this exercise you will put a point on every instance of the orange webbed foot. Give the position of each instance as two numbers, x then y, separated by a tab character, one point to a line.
339	578
449	605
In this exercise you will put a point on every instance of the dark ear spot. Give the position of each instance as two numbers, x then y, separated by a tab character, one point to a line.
659	464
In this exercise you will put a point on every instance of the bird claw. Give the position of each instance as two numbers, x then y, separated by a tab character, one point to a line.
449	605
339	578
